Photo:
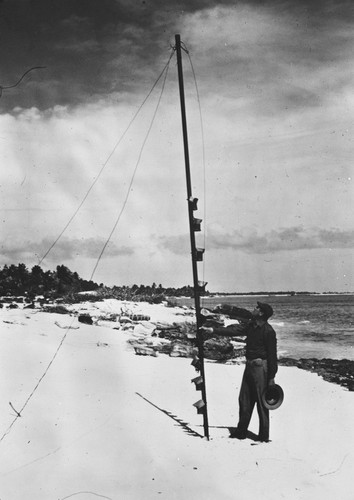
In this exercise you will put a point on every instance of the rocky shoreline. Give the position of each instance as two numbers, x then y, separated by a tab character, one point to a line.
179	340
337	371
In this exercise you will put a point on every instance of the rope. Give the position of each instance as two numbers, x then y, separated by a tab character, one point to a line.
134	172
18	413
20	80
106	161
165	70
203	148
86	493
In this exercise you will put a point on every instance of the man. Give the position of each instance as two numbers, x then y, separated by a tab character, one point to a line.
261	367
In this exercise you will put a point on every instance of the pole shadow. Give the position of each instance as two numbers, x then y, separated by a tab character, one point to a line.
180	422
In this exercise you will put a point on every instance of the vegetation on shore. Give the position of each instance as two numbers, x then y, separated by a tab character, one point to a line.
63	283
18	281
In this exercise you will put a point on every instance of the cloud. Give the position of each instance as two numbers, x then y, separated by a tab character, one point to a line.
275	85
90	49
251	241
293	238
281	56
94	49
178	244
77	44
64	250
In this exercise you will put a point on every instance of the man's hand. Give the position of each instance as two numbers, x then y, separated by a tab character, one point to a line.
271	382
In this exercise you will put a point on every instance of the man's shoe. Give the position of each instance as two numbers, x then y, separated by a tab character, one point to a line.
262	439
237	434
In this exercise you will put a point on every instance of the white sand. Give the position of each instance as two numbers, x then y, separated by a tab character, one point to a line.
88	432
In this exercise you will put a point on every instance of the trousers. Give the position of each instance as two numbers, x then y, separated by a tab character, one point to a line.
254	382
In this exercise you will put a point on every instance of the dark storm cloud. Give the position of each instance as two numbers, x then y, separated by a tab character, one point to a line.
65	249
93	49
76	41
90	48
249	241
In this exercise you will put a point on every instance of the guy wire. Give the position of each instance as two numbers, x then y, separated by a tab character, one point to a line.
203	149
38	383
134	172
2	87
106	161
165	70
203	157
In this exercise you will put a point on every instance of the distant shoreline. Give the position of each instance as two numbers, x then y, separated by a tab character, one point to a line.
271	294
274	294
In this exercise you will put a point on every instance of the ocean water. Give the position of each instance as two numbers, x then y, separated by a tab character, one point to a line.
307	326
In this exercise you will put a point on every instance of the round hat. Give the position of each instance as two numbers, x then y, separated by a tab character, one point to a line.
273	397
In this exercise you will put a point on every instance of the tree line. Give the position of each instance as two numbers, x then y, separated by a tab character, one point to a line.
18	280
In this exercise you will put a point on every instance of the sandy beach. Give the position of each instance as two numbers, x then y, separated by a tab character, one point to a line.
107	423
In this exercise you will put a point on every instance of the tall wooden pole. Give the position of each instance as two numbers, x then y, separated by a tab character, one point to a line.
191	231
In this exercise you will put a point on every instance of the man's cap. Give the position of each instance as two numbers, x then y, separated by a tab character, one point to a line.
266	309
273	397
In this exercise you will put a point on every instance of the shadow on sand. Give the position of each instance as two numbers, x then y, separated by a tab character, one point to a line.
180	422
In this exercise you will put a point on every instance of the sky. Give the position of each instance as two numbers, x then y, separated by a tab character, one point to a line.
91	145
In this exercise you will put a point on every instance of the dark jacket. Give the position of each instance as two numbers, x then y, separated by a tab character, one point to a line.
261	342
